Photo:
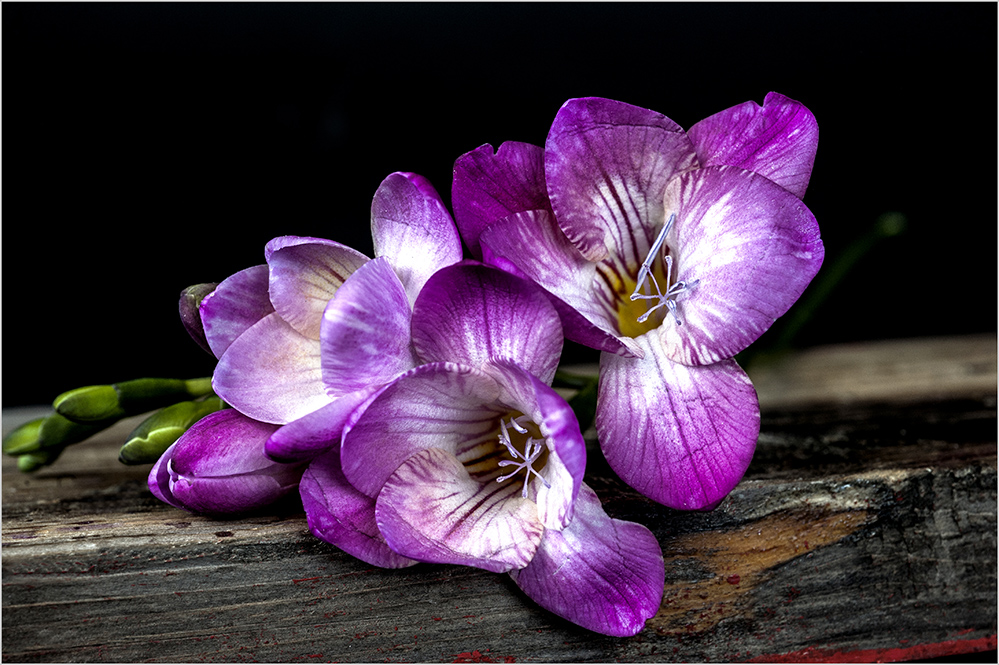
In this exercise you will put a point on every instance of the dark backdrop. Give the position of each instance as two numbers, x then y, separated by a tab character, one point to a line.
148	147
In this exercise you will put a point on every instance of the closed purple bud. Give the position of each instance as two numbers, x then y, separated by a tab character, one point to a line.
218	467
190	316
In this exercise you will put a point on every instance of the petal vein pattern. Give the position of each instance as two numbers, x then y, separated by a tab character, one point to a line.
412	229
305	274
752	247
683	436
606	165
470	313
603	574
778	140
271	373
432	510
438	405
365	331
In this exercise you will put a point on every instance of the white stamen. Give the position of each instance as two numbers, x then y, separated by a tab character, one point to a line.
532	449
645	271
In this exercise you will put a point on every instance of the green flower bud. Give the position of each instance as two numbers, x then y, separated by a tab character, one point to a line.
158	432
24	439
34	461
40	441
59	432
128	398
89	403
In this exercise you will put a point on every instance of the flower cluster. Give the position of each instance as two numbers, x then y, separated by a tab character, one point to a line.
408	398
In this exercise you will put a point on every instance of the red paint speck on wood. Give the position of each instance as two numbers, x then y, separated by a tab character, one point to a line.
304	579
889	655
478	657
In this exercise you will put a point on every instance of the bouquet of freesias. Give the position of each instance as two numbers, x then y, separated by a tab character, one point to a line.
408	398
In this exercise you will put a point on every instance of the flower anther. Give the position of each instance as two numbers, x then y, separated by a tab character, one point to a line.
532	449
645	272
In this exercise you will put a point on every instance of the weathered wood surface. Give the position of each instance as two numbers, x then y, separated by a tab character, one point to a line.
865	530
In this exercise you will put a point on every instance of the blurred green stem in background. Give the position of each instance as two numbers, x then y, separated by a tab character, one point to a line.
888	225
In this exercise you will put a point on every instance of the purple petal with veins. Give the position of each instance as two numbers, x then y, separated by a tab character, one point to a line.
470	313
338	514
553	262
683	436
491	185
606	165
365	334
430	509
412	229
305	274
439	405
237	303
751	247
272	373
777	140
603	574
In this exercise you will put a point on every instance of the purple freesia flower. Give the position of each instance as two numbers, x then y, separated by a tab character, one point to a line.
302	341
307	337
670	252
471	458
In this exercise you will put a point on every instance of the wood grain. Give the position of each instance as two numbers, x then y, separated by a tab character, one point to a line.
864	530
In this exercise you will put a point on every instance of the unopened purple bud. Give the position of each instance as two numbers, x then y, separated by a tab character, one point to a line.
190	316
218	467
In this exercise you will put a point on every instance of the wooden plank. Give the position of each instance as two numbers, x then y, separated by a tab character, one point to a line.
864	530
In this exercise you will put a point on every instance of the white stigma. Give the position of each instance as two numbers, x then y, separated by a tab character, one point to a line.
532	449
667	299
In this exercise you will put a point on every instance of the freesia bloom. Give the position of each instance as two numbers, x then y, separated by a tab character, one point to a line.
307	337
218	467
670	252
471	458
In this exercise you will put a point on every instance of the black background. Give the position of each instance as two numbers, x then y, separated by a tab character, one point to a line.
148	147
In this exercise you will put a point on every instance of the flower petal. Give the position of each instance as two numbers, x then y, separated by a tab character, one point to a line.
439	405
271	373
339	514
237	303
158	480
777	140
470	313
304	275
411	228
316	432
488	186
217	445
530	244
683	436
365	336
566	462
218	467
606	165
603	574
432	510
753	247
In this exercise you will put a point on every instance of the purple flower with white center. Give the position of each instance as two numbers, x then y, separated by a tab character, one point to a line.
218	467
472	458
670	252
310	335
